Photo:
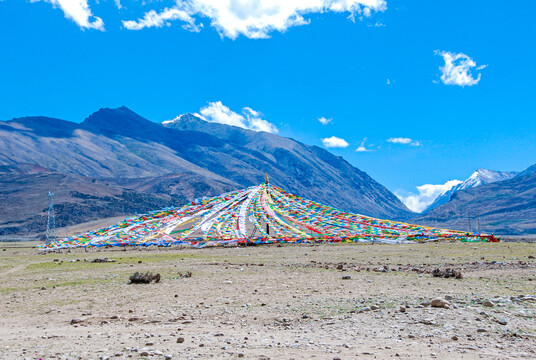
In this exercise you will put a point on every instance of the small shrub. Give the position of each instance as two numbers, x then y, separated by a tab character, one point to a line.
447	273
188	274
147	278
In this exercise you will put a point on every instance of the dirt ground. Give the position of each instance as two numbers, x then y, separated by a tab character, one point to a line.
277	302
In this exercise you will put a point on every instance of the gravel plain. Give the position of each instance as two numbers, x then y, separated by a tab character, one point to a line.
338	301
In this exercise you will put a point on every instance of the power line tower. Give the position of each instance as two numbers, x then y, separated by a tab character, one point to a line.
51	220
469	220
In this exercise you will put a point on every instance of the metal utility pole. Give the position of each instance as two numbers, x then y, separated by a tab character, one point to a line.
51	220
253	232
469	220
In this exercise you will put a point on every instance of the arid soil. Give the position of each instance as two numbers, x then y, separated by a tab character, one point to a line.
277	302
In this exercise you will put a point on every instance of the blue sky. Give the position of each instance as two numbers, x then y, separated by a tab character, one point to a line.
371	66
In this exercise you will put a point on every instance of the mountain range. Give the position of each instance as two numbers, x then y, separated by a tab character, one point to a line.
478	178
500	207
116	162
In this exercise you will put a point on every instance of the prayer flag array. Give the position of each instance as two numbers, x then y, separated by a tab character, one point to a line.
259	214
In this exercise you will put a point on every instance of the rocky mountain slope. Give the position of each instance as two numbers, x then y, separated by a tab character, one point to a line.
23	195
478	178
309	171
503	207
528	171
116	152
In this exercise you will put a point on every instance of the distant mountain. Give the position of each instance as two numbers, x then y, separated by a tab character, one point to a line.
309	171
171	163
502	207
528	171
478	178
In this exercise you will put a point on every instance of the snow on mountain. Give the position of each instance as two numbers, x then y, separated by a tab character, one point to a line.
183	117
479	177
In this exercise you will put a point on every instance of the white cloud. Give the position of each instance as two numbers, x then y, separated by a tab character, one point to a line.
388	82
118	4
334	142
324	121
457	69
362	147
399	140
219	113
255	121
79	12
154	19
377	24
257	18
249	119
427	194
404	141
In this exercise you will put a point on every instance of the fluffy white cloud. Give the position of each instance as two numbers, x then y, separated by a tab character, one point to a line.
257	18
255	121
427	194
404	141
334	142
457	69
249	119
324	121
154	19
79	12
399	140
362	147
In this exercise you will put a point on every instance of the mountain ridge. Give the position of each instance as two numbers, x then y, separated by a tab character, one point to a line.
271	147
123	149
507	207
479	177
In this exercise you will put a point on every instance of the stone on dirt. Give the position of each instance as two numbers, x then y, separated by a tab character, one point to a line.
440	303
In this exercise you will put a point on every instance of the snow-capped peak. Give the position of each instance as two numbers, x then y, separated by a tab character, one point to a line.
484	176
180	117
176	119
478	178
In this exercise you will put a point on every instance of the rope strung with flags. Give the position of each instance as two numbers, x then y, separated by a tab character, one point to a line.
234	218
